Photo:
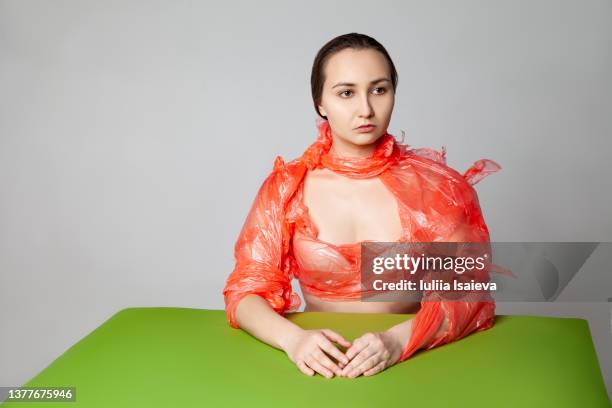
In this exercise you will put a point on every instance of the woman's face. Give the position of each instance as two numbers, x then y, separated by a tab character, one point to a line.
357	91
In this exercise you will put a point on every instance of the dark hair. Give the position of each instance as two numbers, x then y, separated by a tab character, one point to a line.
352	40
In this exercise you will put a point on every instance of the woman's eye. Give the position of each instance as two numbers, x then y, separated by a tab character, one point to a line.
381	89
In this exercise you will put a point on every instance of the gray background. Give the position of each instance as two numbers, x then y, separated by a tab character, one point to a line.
134	136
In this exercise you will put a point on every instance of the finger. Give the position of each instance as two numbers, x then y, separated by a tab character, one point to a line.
356	348
364	366
304	368
333	336
330	349
356	361
376	369
315	365
326	362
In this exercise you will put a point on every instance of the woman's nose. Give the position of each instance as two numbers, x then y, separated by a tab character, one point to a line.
365	108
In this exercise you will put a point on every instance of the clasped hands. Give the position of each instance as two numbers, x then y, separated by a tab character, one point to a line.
314	351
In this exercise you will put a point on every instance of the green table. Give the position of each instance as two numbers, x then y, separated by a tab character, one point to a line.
179	357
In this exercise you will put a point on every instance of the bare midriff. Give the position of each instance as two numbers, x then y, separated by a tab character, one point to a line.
316	304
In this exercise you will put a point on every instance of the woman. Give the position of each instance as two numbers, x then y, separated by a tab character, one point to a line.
354	184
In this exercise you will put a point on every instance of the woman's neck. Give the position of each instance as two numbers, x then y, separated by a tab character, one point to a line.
342	148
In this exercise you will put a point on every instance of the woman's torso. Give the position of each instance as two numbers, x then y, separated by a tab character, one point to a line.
340	213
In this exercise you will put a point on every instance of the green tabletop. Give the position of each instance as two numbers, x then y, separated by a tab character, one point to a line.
180	357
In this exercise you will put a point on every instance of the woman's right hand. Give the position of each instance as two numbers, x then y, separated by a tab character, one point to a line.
308	348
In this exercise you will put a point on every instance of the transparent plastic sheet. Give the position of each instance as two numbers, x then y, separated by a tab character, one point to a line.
436	204
449	315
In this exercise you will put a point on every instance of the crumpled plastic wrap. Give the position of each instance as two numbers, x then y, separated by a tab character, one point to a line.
435	202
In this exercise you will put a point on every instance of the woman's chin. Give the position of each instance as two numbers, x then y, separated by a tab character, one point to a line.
364	139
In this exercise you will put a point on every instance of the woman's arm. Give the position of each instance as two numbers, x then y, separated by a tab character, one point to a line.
439	320
258	291
308	349
255	316
260	252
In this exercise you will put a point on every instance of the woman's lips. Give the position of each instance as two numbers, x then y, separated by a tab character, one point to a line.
365	129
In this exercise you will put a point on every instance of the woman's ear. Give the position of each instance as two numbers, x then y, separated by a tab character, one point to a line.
322	111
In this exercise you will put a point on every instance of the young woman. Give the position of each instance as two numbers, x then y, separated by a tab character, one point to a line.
355	183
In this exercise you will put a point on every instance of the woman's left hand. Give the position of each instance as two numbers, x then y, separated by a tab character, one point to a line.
372	353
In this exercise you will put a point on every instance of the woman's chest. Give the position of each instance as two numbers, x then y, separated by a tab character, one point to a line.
346	210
